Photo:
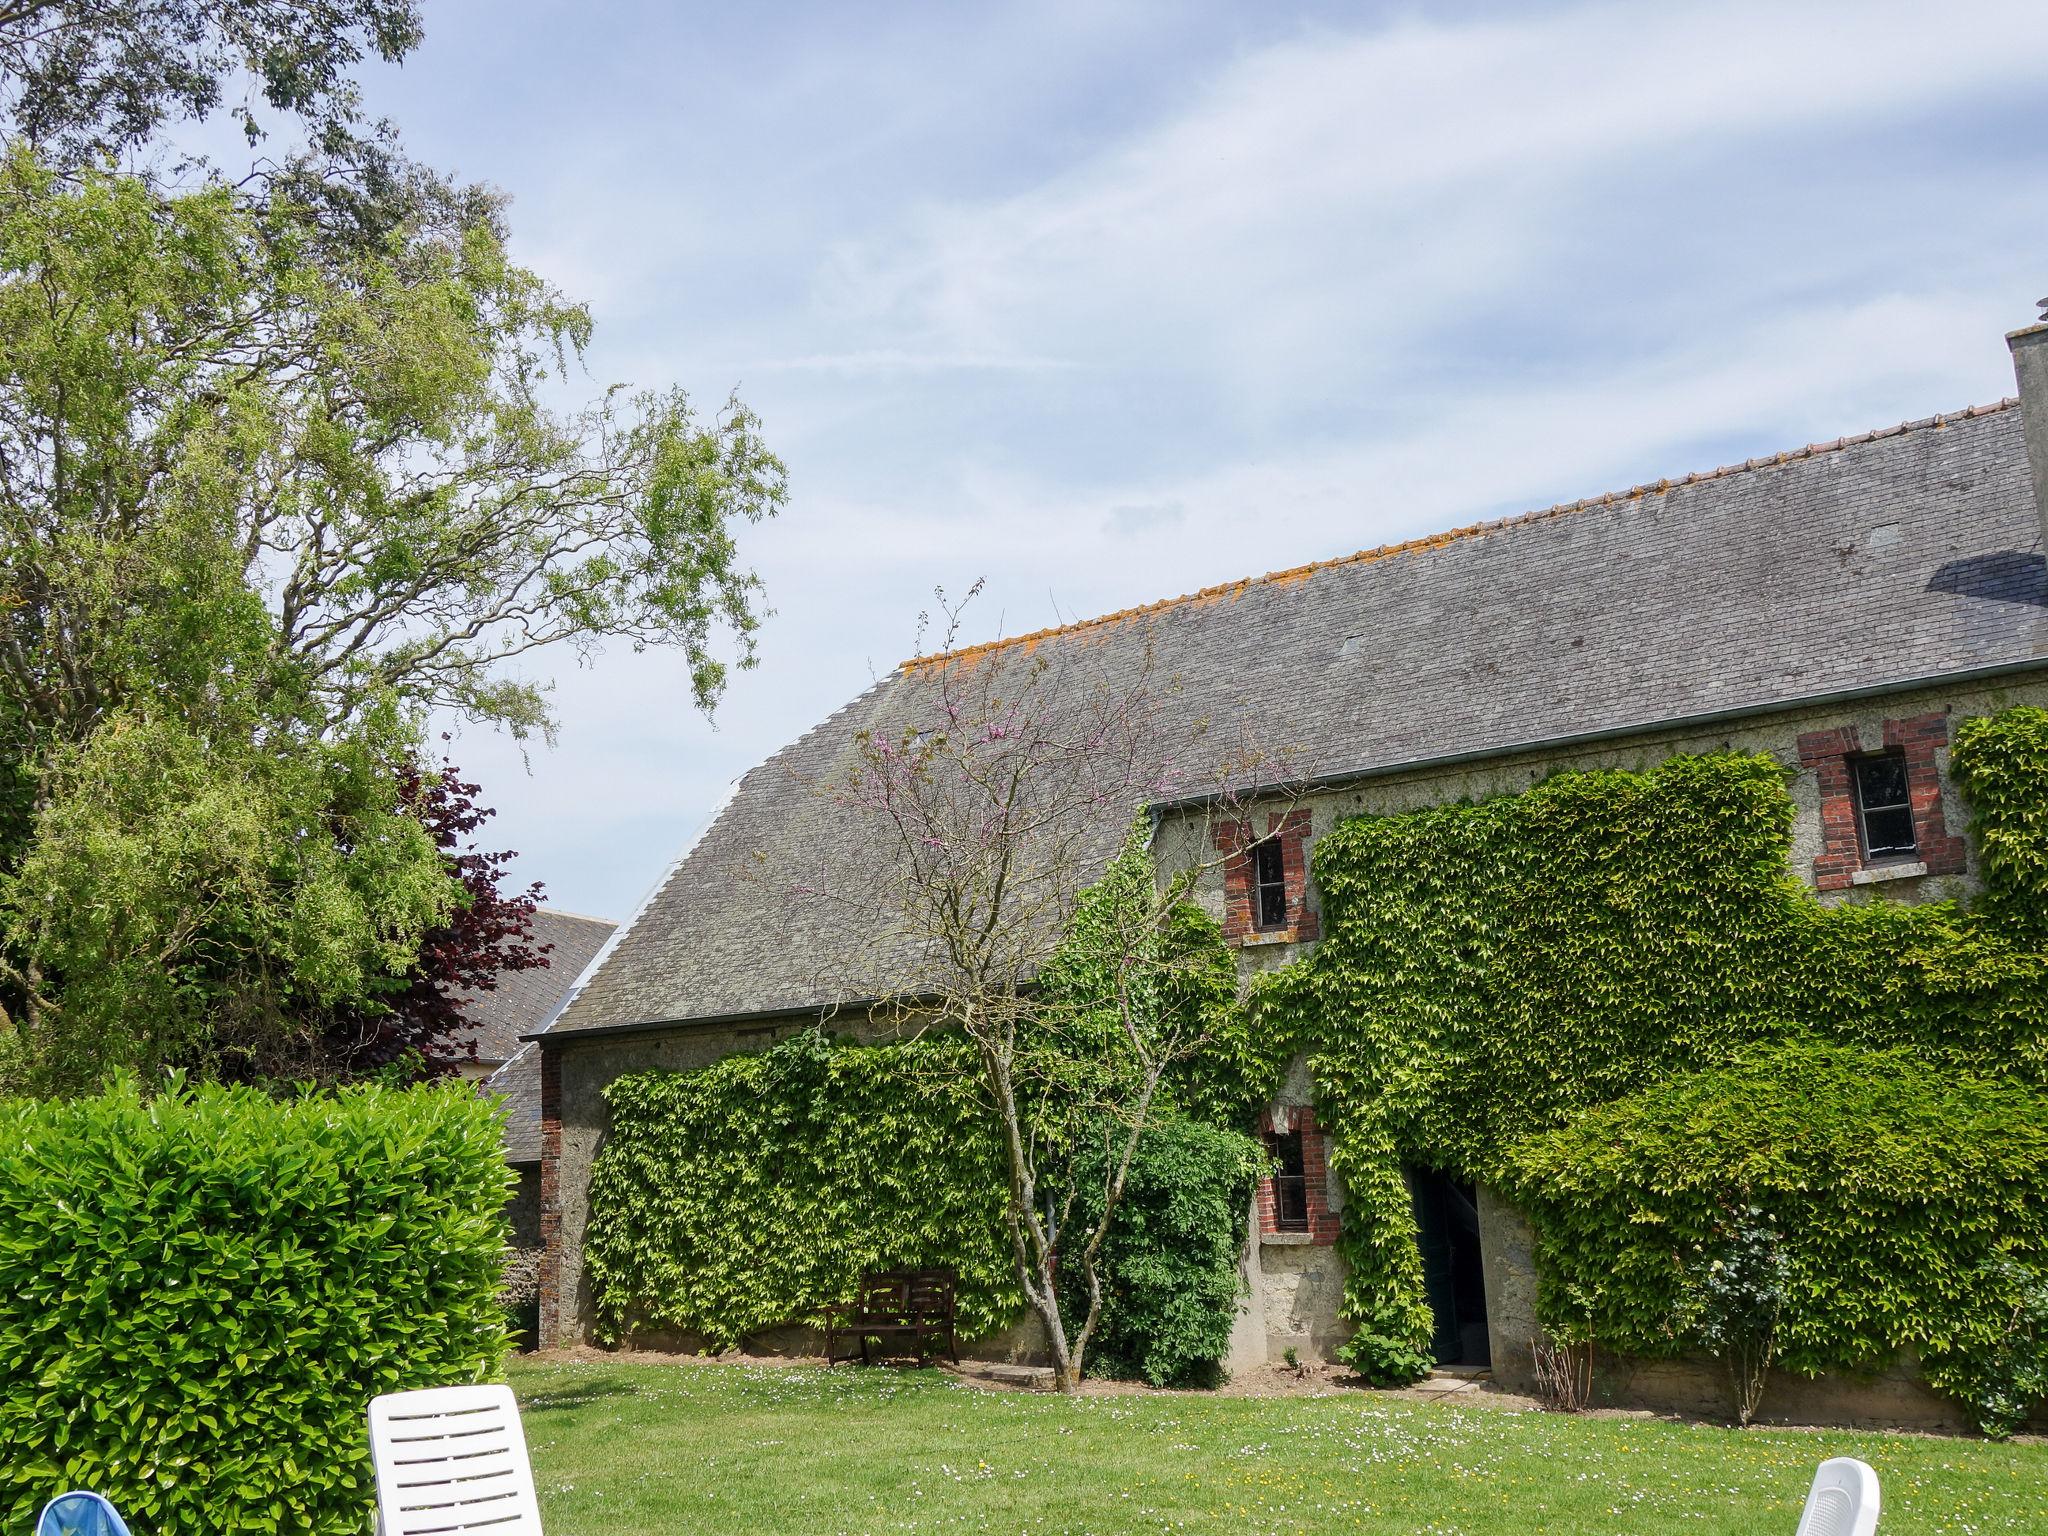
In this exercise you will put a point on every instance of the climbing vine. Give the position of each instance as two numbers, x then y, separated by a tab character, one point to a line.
1493	971
1899	1189
755	1192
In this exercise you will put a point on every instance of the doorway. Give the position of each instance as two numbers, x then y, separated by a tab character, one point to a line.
1453	1277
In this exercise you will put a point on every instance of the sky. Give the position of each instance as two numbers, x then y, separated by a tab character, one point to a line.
1106	302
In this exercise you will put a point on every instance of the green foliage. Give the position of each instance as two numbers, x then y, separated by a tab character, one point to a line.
1896	1186
1383	1351
1171	1280
264	504
2006	1377
193	902
1738	1295
204	1290
2000	763
1495	971
756	1191
1139	979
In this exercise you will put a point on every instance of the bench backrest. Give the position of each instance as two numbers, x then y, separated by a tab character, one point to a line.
908	1296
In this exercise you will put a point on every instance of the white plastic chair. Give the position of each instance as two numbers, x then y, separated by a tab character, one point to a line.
450	1460
1843	1500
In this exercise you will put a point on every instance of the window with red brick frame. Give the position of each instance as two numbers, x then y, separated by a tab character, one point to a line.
1295	1198
1835	756
1249	855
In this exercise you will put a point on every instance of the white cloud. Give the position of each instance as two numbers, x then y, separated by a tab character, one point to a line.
1327	200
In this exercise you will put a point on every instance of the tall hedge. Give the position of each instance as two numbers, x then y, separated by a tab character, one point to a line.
200	1293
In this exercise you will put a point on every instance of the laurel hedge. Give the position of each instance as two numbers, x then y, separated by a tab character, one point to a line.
203	1290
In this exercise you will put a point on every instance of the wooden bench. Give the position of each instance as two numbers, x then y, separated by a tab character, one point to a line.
910	1308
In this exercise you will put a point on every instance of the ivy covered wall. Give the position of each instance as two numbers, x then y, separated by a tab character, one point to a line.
1493	971
753	1193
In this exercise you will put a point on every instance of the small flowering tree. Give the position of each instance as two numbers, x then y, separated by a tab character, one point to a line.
1022	908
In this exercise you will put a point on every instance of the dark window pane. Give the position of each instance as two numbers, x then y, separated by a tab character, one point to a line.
1286	1149
1269	880
1889	830
1881	781
1290	1187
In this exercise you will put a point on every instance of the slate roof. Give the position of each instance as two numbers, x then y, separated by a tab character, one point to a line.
523	1001
518	1082
1896	556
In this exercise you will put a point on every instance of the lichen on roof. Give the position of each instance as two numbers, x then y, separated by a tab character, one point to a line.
1230	591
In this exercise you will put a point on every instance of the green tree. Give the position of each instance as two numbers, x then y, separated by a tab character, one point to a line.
88	79
263	504
980	896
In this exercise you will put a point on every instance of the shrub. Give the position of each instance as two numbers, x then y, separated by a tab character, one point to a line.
1385	1353
1738	1295
2007	1376
1896	1187
1170	1265
204	1290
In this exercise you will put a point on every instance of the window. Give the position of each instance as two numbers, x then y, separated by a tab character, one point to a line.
1884	809
1269	884
1290	1182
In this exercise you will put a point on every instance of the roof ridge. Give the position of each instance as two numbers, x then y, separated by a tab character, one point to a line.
581	917
1432	541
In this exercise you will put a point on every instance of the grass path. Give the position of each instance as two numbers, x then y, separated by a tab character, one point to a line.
672	1451
655	1450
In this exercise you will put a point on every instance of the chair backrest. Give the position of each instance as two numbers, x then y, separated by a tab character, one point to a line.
1843	1500
451	1460
80	1514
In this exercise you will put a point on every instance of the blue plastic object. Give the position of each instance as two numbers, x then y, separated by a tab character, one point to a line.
80	1514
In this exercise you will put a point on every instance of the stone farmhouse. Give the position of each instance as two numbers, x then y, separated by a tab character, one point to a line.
1836	605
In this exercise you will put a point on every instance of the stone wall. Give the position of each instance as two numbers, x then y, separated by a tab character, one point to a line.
522	1210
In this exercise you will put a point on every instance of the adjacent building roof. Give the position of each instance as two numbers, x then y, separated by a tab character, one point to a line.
522	1002
517	1082
1894	557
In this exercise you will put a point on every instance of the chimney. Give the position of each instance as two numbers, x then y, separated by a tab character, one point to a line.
2030	363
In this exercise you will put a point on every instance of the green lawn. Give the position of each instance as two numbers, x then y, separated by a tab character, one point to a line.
620	1450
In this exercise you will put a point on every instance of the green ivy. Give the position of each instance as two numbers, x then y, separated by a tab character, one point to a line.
755	1192
1896	1185
1492	971
1170	1268
204	1290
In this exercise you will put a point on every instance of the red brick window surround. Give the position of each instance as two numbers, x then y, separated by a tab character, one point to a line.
1832	755
1241	905
1295	1204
